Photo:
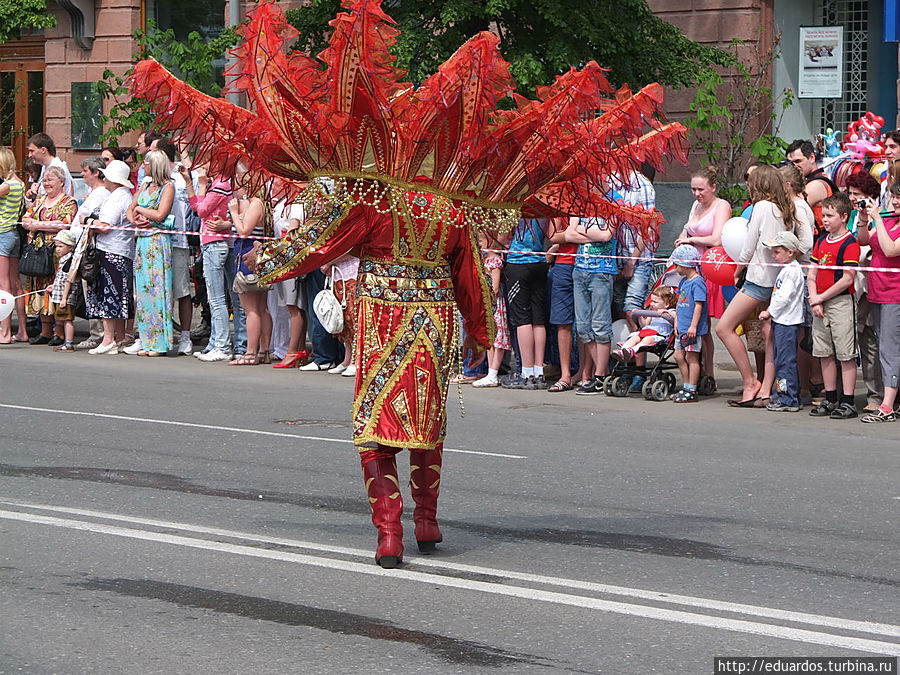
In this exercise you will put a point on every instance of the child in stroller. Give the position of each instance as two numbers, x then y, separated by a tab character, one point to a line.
659	379
656	324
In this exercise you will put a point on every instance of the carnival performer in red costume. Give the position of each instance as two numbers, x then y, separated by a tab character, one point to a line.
406	177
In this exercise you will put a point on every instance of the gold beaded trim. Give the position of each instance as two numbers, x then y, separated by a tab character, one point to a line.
386	194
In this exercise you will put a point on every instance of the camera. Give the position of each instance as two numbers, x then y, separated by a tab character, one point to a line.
862	204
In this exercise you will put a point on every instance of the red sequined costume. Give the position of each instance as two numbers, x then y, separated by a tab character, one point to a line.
406	177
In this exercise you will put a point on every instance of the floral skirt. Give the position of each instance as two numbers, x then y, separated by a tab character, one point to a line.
153	292
111	295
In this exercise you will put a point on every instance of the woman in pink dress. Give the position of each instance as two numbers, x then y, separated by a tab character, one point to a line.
704	231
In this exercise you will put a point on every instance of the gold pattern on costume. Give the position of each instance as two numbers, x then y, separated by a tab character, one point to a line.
401	407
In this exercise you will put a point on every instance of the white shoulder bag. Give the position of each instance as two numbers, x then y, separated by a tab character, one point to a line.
328	308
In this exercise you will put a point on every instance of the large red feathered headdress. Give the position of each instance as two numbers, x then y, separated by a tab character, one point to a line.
359	123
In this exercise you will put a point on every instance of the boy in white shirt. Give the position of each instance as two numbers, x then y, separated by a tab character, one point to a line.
786	311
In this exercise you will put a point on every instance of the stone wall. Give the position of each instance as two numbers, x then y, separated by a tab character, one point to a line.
714	23
116	21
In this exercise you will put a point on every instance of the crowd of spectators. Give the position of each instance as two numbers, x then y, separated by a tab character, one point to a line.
155	237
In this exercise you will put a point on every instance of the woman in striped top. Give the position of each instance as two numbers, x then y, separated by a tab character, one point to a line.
12	200
252	218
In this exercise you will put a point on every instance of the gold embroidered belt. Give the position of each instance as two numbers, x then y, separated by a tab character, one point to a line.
397	282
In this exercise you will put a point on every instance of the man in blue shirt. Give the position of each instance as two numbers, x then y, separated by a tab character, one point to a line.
593	279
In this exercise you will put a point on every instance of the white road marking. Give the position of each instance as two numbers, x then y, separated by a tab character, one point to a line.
657	596
520	592
236	430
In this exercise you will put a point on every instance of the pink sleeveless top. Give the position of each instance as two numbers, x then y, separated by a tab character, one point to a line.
715	301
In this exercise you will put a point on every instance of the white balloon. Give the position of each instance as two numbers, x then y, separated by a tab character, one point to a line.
620	330
734	232
7	304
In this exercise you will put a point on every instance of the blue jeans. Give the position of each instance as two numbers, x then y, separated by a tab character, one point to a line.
240	320
593	305
215	254
636	294
787	379
326	348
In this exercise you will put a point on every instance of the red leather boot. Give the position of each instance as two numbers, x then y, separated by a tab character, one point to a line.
383	489
425	483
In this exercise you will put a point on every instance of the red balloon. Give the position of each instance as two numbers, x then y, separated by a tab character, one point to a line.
718	267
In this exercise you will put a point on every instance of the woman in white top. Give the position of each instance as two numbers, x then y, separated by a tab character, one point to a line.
795	184
773	211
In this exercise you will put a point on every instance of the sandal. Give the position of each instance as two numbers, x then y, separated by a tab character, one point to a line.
685	396
248	359
561	385
265	357
879	416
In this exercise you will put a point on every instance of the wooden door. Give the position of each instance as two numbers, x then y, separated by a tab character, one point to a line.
22	108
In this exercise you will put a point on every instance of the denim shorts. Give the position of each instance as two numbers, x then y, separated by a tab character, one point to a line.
636	294
757	292
593	305
562	294
10	244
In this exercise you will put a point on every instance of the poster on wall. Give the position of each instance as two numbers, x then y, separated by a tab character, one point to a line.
821	62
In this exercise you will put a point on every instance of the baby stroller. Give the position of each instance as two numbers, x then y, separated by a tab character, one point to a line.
659	379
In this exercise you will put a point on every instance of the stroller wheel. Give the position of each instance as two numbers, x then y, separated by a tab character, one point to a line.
619	386
607	385
647	390
669	379
660	390
707	386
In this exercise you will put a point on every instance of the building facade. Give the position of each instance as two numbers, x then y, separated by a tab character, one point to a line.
46	79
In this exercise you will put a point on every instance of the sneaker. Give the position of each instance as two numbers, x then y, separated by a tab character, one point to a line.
844	411
591	387
350	371
486	381
55	341
214	355
879	416
778	406
824	409
105	349
313	366
126	341
515	381
133	349
637	384
88	343
185	346
202	331
338	369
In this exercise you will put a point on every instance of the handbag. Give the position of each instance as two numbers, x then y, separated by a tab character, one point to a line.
754	335
328	308
90	264
37	258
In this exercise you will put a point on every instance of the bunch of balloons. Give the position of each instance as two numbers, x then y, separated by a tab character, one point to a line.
718	262
862	137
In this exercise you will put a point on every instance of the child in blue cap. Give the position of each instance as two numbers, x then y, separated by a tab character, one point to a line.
691	320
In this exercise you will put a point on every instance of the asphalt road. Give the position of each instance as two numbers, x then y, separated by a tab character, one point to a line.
164	515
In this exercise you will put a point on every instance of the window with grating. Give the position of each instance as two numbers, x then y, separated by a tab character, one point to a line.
853	15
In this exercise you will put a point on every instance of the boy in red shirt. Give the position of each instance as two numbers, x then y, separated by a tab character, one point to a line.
834	311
